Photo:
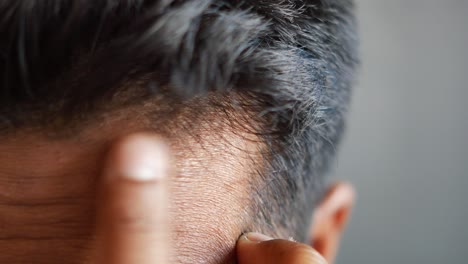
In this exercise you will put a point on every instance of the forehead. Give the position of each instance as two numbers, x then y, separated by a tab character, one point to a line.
47	180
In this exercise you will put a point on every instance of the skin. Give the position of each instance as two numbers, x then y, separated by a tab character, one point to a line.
76	197
132	235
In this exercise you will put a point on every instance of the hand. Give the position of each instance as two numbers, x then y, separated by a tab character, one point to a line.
133	216
254	248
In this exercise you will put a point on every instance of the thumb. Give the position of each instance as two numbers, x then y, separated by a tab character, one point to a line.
132	224
255	248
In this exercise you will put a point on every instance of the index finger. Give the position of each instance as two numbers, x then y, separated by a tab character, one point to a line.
132	222
254	248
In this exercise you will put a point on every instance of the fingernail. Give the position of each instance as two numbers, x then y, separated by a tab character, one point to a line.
257	237
141	158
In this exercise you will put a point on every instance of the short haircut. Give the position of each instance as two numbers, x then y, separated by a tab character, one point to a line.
294	61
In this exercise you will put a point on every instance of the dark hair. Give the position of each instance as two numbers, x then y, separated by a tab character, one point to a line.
296	59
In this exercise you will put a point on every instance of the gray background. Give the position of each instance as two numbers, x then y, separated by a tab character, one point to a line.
406	148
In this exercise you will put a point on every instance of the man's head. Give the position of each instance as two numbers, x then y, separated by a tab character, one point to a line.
249	95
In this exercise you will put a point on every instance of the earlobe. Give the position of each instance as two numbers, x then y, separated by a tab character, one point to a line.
330	219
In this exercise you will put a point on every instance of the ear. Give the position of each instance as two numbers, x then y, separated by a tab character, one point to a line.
330	219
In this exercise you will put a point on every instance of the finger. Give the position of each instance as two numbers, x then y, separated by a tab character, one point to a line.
133	212
254	248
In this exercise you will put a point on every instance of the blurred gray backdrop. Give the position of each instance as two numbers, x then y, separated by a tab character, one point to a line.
406	148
